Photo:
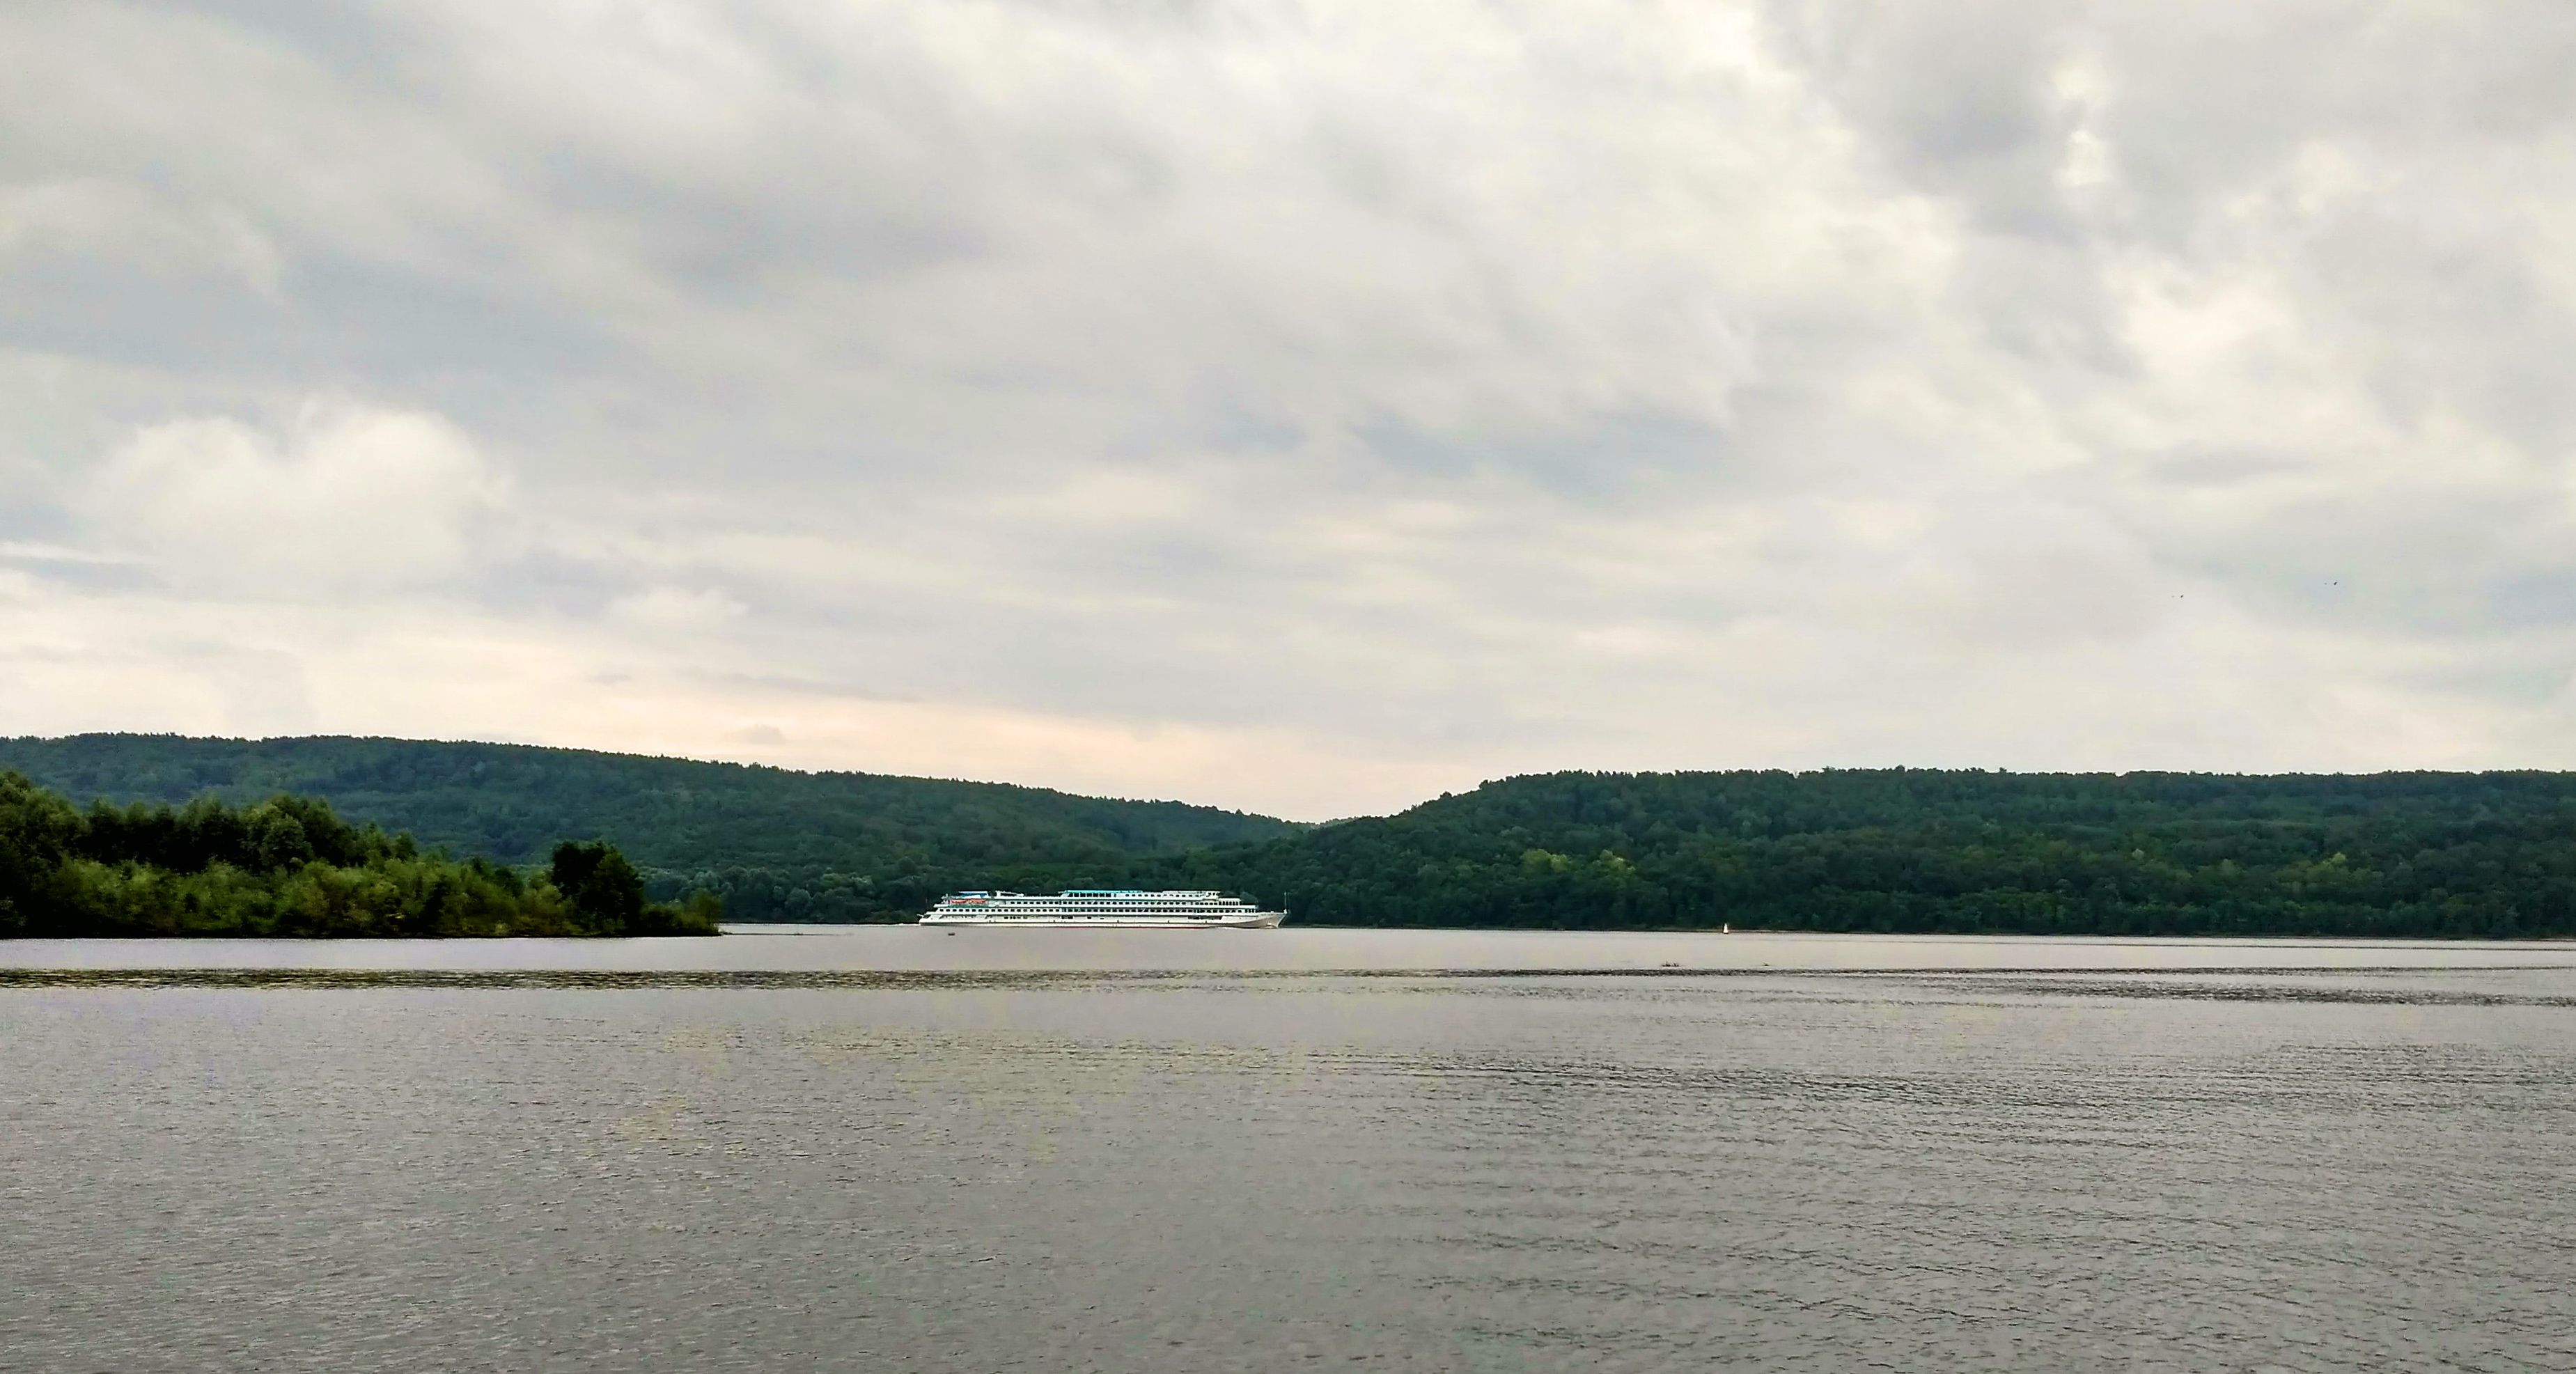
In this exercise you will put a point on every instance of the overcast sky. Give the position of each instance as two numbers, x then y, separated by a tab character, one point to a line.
1305	408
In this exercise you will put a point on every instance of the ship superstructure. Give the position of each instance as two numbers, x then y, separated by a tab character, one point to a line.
1102	907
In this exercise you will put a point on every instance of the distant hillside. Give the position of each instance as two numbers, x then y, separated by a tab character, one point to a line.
2437	855
776	844
2440	855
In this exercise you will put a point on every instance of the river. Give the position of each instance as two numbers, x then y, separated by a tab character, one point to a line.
1038	1150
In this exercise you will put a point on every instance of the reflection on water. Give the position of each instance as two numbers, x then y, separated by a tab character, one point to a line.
2362	1167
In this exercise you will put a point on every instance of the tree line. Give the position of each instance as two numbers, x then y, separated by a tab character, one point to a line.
2402	855
2435	855
774	843
2399	855
291	867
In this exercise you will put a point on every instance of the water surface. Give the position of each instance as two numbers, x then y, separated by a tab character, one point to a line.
1924	1154
1297	949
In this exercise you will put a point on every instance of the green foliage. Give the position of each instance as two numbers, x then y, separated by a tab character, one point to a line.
2415	855
607	894
2440	855
772	844
290	867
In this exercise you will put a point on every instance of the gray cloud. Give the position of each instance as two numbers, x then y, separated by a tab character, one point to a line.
1306	408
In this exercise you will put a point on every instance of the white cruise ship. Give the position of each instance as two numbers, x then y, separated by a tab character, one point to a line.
1102	907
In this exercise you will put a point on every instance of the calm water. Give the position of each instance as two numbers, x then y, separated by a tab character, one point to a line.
1923	1154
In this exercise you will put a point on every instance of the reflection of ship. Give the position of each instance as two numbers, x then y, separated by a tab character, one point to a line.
1102	907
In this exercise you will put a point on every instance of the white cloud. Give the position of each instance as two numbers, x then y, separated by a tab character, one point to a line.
676	610
56	225
356	501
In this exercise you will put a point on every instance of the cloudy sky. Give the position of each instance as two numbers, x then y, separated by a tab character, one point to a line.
1303	407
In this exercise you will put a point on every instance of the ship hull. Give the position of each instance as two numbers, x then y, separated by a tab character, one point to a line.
1250	920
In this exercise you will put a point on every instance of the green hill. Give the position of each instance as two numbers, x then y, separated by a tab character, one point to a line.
2446	855
778	845
2441	855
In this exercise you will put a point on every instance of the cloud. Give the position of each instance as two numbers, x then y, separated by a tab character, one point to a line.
1301	407
675	609
357	502
54	227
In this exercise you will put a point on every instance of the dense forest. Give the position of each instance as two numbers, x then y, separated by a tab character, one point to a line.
289	866
2449	855
2440	855
774	844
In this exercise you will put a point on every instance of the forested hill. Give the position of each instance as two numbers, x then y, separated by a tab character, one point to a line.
2398	854
775	844
2448	855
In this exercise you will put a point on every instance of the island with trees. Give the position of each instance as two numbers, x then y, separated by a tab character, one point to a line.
291	867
